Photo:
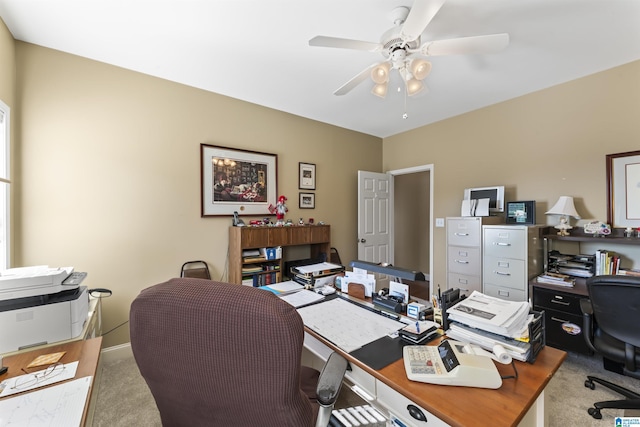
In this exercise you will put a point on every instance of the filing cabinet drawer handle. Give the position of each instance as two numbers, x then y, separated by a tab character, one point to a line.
460	261
502	273
555	301
501	244
461	234
555	319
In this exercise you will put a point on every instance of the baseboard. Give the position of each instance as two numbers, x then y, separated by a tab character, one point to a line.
117	352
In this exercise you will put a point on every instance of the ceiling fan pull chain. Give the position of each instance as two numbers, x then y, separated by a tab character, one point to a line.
405	115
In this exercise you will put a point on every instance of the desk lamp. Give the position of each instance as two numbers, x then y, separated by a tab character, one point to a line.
566	209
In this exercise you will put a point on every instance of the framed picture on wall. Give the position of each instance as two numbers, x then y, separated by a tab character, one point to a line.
307	178
235	180
623	189
307	201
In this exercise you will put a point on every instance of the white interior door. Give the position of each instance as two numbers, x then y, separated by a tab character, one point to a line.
375	216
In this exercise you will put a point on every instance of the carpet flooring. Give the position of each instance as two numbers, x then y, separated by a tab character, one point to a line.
124	400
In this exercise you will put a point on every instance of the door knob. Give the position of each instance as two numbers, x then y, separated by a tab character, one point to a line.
363	240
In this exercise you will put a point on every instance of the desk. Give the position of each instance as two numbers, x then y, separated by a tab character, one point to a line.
519	402
86	352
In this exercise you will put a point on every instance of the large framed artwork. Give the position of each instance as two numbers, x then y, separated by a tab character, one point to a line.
235	180
623	189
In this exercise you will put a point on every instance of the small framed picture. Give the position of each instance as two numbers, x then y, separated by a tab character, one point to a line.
307	201
523	213
307	179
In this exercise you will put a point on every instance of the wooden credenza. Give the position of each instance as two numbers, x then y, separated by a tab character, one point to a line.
318	237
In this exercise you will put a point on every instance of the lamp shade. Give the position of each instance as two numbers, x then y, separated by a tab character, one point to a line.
414	86
380	90
420	68
564	206
380	73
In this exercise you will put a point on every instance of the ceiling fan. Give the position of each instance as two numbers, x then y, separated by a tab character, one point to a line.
403	50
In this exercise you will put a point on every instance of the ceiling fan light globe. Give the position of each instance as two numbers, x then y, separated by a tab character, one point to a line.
380	90
380	73
420	68
414	86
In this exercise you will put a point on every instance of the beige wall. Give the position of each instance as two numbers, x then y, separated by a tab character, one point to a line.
539	146
111	172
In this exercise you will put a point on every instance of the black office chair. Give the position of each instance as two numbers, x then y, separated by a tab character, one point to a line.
195	269
611	317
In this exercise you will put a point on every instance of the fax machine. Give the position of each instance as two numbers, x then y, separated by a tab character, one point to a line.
40	305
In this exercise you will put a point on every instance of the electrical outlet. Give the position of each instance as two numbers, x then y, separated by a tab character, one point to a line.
439	222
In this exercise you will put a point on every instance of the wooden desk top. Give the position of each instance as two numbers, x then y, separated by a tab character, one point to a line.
468	406
87	352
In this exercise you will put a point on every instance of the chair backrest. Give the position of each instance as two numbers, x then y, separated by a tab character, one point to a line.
197	269
616	306
220	354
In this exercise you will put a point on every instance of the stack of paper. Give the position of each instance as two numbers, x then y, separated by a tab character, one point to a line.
318	275
558	279
495	315
486	321
518	350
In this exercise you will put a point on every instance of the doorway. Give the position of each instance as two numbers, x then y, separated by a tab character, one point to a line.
397	202
412	218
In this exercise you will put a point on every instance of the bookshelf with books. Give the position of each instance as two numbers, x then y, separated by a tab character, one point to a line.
251	261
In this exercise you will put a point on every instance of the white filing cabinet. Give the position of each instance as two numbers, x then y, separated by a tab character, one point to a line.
512	255
464	252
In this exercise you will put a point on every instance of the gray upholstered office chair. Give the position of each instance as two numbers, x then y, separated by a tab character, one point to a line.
197	269
611	317
216	354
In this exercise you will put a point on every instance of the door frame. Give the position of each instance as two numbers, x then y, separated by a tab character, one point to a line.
423	168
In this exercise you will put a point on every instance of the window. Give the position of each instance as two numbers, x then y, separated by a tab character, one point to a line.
5	184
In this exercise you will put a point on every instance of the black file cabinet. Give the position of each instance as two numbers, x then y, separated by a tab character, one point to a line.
563	318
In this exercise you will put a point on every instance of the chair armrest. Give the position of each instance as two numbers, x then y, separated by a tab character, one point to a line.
585	306
587	322
329	385
330	380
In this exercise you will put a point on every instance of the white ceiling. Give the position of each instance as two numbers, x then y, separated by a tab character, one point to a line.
257	50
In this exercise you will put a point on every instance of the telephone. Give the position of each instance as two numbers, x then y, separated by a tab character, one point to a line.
451	363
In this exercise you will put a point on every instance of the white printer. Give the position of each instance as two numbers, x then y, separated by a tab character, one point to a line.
40	305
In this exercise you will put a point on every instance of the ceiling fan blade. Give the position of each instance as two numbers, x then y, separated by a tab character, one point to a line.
466	45
325	41
421	13
355	81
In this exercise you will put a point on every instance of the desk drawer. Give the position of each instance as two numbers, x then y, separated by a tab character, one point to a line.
397	405
556	300
361	378
564	331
